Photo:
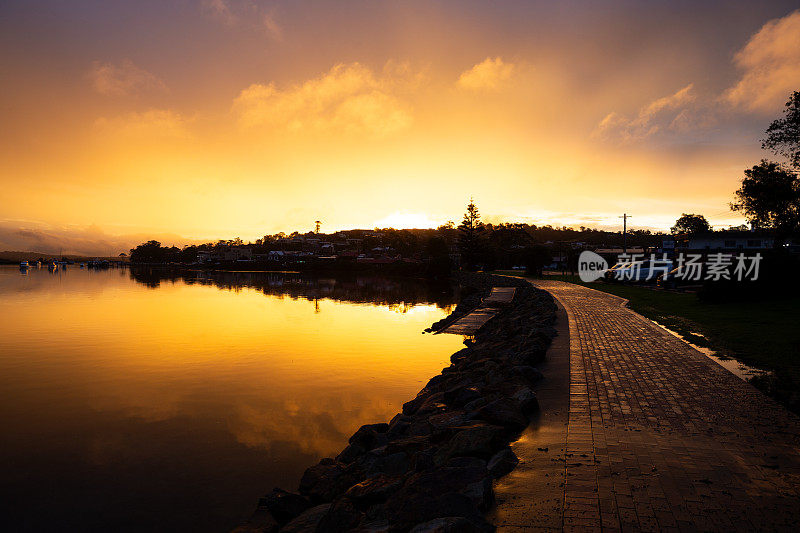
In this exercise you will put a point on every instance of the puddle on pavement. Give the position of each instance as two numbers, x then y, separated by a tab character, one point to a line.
730	364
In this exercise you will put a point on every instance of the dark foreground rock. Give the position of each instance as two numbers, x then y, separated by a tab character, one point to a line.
431	468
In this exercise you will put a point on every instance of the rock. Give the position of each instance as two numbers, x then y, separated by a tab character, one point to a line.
434	494
433	403
527	400
418	508
448	524
373	526
380	461
398	430
506	412
476	404
465	395
502	463
370	436
350	453
420	427
466	462
328	479
423	460
460	355
375	489
412	406
531	374
307	521
408	445
480	493
342	516
283	505
478	440
399	426
446	420
262	521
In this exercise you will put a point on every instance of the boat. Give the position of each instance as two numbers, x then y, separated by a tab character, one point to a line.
23	265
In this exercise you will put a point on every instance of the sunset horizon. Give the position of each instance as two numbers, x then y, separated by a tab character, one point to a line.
370	266
219	119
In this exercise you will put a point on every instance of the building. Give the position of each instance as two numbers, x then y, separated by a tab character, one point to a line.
729	241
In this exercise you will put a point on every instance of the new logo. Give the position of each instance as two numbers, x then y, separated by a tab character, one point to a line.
591	266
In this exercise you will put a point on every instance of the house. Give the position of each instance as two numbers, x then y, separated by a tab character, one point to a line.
729	241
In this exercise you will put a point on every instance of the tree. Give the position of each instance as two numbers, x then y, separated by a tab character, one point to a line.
783	135
770	197
470	232
691	223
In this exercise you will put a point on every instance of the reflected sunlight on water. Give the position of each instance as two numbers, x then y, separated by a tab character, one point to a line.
165	402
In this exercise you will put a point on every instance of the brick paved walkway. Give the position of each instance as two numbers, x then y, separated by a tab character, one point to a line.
661	438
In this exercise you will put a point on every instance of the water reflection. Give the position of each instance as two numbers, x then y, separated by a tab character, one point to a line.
129	408
403	293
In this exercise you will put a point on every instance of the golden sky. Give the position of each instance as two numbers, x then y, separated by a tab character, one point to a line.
222	118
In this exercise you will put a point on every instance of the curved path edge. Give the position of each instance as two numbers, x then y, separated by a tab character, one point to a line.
658	437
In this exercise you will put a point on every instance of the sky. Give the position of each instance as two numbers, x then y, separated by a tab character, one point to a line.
199	120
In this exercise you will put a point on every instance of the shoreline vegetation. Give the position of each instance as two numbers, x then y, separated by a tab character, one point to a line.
432	467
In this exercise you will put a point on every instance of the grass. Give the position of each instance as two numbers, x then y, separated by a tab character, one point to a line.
762	334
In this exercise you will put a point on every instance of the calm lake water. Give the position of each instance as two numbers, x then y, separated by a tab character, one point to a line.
154	401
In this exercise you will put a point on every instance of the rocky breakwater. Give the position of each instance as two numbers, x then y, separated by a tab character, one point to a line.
432	467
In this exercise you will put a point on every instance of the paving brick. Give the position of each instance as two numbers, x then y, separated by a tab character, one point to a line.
670	440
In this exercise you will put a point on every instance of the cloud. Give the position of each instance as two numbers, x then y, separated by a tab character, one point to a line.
272	27
770	65
151	124
673	113
219	10
490	74
80	240
348	98
124	79
233	13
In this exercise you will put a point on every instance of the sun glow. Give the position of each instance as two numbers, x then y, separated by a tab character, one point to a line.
391	134
407	221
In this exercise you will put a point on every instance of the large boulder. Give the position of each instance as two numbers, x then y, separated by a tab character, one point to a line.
477	440
370	436
374	490
448	419
350	453
437	493
308	521
342	516
328	479
527	399
531	374
261	521
506	412
284	505
502	463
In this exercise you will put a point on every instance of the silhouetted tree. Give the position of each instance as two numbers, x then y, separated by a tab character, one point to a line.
471	230
691	223
770	197
783	135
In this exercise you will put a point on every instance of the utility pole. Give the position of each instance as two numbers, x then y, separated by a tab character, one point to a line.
625	218
317	224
